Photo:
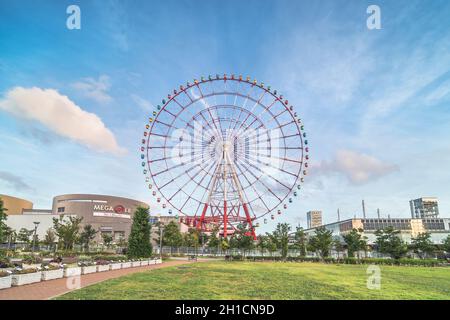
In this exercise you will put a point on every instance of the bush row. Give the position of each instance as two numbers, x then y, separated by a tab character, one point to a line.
378	261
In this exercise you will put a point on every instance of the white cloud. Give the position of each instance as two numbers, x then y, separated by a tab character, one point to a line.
95	89
142	103
358	168
62	116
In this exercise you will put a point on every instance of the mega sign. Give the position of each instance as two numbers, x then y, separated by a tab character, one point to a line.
104	210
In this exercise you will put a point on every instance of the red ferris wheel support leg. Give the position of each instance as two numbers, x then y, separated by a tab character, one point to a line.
225	219
249	220
202	217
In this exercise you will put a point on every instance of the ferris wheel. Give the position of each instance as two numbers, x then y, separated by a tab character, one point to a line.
223	151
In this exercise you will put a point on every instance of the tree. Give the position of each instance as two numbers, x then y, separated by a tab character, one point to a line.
271	243
281	238
224	245
262	244
139	245
3	217
338	246
214	241
87	235
192	238
446	244
172	236
389	242
67	230
300	240
49	238
107	239
321	242
122	242
244	240
24	235
422	244
355	242
10	236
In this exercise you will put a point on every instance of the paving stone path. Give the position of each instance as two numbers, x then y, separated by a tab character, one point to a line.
49	289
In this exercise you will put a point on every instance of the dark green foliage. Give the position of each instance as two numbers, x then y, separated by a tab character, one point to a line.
321	242
139	245
281	237
389	242
87	235
355	242
301	241
67	230
422	244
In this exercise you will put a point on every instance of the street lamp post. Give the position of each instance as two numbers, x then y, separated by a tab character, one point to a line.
36	223
160	239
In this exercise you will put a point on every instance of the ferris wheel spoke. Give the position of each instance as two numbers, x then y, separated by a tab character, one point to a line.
257	102
190	196
245	103
278	158
176	177
260	181
267	123
197	184
270	176
250	184
267	164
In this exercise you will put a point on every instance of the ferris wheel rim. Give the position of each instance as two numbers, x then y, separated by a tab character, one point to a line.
235	93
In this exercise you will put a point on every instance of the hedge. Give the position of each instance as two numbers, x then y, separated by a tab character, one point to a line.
378	261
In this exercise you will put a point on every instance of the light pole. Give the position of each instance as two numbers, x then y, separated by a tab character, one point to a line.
36	223
160	239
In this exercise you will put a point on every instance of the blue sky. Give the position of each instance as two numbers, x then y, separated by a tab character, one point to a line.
375	103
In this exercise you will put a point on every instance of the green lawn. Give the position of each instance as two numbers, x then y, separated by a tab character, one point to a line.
271	280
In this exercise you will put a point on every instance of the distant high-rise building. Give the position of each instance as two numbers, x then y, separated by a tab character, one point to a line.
314	218
425	207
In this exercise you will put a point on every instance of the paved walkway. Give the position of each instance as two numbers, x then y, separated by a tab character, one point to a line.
49	289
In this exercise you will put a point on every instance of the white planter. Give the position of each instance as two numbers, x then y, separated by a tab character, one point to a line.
158	261
144	263
151	261
126	265
136	264
116	266
101	268
88	269
52	274
27	278
72	272
5	282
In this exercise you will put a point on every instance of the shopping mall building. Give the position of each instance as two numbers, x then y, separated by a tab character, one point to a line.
107	214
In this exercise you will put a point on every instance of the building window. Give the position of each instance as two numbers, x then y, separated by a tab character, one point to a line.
61	209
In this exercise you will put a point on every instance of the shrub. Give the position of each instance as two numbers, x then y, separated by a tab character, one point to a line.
25	271
4	263
110	257
31	259
102	262
49	267
86	263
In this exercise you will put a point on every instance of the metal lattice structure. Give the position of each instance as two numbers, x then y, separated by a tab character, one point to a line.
224	151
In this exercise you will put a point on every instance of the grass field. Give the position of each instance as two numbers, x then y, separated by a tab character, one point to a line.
271	280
